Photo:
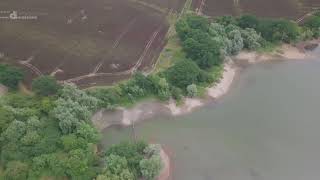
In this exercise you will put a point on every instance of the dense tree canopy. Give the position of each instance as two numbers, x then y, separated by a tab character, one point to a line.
45	85
10	76
183	73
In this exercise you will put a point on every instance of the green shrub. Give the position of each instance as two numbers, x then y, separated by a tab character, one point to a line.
313	23
183	73
45	85
248	21
10	76
279	30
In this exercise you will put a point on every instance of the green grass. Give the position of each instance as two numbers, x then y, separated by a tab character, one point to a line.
186	8
171	54
268	47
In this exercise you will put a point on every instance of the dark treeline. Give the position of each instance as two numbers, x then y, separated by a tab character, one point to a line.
50	135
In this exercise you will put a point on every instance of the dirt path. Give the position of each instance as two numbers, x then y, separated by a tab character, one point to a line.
201	6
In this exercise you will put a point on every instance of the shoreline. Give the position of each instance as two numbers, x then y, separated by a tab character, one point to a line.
165	172
152	108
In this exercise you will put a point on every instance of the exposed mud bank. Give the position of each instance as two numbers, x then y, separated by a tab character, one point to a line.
165	173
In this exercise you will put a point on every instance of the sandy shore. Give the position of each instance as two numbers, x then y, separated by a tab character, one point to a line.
166	169
286	51
225	83
188	105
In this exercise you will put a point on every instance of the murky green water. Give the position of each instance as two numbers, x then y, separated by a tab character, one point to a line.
266	128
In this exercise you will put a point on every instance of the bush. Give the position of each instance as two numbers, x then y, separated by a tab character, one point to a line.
183	73
226	20
251	39
196	41
248	21
16	171
132	152
10	76
200	48
107	97
279	30
313	23
176	93
150	168
45	85
236	41
192	90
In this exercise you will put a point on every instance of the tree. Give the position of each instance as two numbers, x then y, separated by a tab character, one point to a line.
236	41
14	132
313	23
176	93
88	133
192	90
10	76
132	152
152	149
70	91
279	30
117	169
58	165
200	47
150	168
45	85
107	97
160	87
251	39
6	117
16	170
70	114
183	73
31	138
39	163
71	141
33	123
225	20
77	164
143	82
248	21
198	22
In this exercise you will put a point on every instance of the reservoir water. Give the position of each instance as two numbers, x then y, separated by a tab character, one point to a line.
266	128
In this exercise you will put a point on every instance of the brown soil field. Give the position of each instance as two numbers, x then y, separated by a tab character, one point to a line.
292	9
96	42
